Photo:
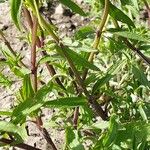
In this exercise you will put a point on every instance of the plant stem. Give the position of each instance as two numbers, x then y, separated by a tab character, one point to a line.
98	35
95	106
50	67
92	54
79	80
21	145
39	122
75	117
40	44
132	47
48	138
33	53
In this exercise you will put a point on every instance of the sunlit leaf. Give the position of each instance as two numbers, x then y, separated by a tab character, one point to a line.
66	102
131	35
118	14
140	76
15	11
11	128
73	6
100	82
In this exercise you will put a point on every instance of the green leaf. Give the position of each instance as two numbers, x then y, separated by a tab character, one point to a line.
78	59
70	136
115	68
31	104
27	90
100	82
5	113
126	132
11	128
140	76
45	59
15	11
72	140
119	15
125	2
131	35
84	32
66	102
142	112
4	80
112	132
73	6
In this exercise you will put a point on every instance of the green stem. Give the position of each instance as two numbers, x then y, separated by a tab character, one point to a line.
98	35
101	25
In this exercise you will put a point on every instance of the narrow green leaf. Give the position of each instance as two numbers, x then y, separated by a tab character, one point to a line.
119	15
27	90
111	135
131	35
15	11
84	32
73	6
127	2
4	80
70	136
31	104
11	128
142	112
140	76
45	59
5	113
115	68
78	59
100	82
66	102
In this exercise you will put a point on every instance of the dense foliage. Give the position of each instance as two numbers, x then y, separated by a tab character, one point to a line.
99	77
